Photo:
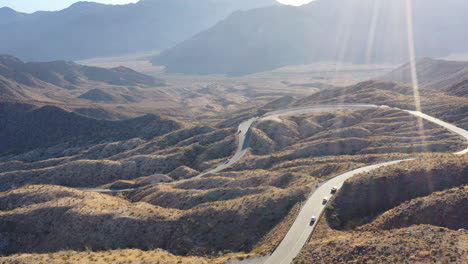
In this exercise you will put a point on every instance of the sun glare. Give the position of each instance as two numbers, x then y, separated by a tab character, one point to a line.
413	65
295	2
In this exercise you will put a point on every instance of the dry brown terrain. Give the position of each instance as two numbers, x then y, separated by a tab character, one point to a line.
437	103
415	244
367	195
122	256
414	224
447	209
245	210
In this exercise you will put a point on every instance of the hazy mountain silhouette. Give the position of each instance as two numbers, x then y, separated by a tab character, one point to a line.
69	74
436	74
9	15
87	29
24	127
358	31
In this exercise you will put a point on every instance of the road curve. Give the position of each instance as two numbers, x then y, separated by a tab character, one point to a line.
244	130
460	131
243	133
301	229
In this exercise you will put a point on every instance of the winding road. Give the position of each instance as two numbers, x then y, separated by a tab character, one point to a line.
244	129
301	229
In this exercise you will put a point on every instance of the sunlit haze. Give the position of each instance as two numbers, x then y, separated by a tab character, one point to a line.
295	2
29	6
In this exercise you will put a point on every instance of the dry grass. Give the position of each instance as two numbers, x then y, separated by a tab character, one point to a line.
123	256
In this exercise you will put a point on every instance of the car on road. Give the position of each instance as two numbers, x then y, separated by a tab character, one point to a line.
325	200
313	220
240	131
334	189
227	161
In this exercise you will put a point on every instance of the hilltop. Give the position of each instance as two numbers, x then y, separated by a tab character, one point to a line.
410	212
432	73
441	103
68	75
27	129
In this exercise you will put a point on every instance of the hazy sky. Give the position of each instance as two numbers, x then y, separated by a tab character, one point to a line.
30	6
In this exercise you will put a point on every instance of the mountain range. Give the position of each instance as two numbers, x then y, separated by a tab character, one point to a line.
432	73
25	127
356	31
87	29
20	80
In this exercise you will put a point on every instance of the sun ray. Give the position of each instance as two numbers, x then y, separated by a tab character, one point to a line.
413	66
372	30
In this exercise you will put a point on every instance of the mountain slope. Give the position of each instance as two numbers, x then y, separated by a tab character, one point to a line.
99	95
9	15
86	29
442	103
358	31
69	74
431	73
458	89
26	129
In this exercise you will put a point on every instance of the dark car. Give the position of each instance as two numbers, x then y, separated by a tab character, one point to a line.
313	220
334	189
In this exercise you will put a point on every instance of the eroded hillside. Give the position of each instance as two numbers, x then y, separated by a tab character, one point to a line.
411	212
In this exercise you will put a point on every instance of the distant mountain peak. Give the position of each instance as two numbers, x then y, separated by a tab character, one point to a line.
9	60
81	4
7	9
111	30
65	74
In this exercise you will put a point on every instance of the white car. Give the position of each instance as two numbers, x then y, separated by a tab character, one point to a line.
325	200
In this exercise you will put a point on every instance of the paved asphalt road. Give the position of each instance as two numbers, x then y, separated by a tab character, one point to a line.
460	131
244	129
301	229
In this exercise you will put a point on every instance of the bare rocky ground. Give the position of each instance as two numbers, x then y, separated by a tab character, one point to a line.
243	212
425	227
415	244
245	209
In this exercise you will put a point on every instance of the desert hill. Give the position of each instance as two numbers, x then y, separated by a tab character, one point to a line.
390	187
69	74
100	95
442	103
416	244
432	73
108	30
252	204
11	90
438	209
458	89
355	31
412	212
58	217
9	15
118	256
50	125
